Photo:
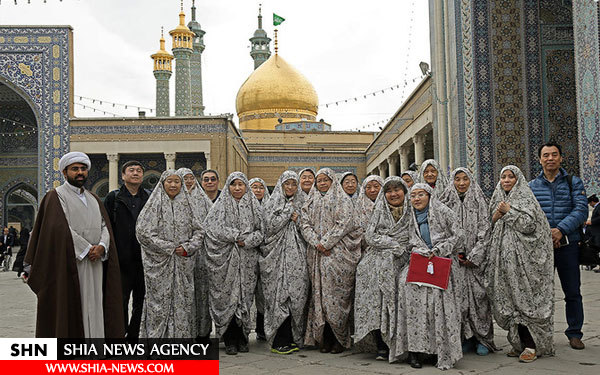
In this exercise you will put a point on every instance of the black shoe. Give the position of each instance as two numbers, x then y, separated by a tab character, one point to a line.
231	350
283	350
413	359
243	347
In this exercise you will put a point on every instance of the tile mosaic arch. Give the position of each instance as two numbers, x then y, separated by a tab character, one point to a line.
36	63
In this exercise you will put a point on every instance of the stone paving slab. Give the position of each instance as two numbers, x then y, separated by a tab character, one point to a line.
18	304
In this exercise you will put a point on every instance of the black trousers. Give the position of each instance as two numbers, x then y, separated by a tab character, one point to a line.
234	335
526	337
381	345
284	335
132	281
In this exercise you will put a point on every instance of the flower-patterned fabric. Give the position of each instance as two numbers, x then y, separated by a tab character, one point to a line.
163	225
520	271
232	268
283	267
201	204
429	318
327	220
472	212
375	306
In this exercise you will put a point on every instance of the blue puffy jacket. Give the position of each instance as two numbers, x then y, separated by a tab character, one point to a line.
565	210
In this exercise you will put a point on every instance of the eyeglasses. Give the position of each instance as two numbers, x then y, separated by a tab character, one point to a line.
208	179
419	195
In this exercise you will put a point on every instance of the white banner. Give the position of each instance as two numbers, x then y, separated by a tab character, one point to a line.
28	348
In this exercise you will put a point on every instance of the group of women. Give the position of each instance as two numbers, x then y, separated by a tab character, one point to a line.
326	260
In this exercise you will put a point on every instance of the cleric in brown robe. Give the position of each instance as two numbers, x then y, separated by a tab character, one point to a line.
74	264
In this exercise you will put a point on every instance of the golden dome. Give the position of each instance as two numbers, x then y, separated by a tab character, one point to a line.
275	90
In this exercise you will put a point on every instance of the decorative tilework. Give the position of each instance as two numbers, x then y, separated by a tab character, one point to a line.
533	82
50	71
561	111
162	93
8	186
467	86
183	88
305	159
484	119
587	70
145	129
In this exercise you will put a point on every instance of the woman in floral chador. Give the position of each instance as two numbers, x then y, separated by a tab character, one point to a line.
333	253
520	272
377	273
170	236
431	174
283	267
233	234
464	196
200	206
429	318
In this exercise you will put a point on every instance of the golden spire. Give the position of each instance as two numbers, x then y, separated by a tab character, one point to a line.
162	58
182	36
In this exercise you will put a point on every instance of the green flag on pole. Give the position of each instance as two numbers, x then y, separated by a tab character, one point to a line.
277	20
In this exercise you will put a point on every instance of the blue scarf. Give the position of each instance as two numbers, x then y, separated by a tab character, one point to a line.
424	225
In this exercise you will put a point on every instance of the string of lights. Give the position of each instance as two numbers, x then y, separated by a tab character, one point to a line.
122	105
15	2
21	128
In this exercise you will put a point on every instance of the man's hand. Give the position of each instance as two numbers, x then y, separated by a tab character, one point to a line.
556	237
96	252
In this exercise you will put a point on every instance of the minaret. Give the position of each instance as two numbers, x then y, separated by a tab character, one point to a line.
260	51
162	73
182	49
196	64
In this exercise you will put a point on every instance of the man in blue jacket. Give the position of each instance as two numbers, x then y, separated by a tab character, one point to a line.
563	199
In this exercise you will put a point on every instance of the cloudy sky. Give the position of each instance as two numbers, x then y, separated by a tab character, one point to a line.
345	48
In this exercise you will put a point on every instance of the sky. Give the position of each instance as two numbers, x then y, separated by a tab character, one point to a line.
346	49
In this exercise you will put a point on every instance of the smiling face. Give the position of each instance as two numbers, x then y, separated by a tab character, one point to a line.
259	190
323	183
419	199
430	174
76	174
133	174
190	181
462	182
307	180
550	158
508	180
350	184
237	188
172	186
210	182
395	196
290	187
372	190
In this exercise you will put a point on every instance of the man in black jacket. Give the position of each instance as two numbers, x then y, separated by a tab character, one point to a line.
123	207
593	225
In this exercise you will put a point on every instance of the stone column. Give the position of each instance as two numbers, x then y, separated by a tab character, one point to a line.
170	158
382	170
113	171
419	142
207	157
392	165
403	151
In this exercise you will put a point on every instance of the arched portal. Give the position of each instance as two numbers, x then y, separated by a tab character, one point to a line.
19	157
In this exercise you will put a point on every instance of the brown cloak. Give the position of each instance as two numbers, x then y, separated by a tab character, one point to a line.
54	279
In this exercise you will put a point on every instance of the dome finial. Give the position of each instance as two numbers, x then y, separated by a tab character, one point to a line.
275	41
260	16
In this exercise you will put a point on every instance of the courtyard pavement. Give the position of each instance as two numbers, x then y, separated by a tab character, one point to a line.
17	319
